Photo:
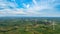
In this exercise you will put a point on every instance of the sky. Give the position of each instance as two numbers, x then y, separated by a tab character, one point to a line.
30	8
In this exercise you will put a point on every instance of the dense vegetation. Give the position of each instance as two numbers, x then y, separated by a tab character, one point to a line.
29	25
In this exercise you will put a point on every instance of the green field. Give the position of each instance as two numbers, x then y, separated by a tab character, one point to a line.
29	25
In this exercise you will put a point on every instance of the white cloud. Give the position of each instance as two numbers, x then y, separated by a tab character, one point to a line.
34	1
39	8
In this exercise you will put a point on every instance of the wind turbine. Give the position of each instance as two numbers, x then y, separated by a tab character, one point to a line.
35	21
53	24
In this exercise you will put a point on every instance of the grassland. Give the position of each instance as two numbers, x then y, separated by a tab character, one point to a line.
29	25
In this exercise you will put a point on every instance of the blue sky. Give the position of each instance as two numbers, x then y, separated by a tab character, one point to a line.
30	8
